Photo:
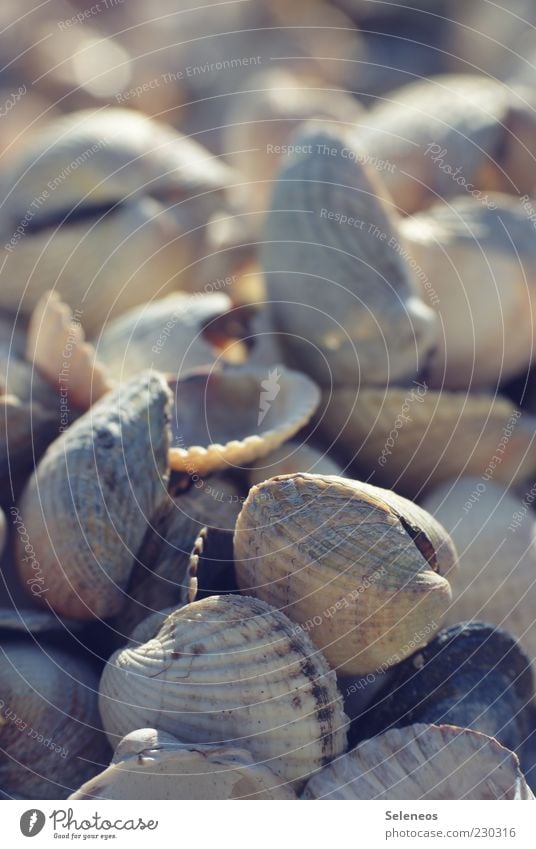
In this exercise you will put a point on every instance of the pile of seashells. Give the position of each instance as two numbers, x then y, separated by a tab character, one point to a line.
269	450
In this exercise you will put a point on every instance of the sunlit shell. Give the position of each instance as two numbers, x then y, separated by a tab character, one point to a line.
228	418
495	534
341	295
88	505
293	457
233	671
468	255
150	764
415	438
450	134
361	569
50	731
471	675
423	762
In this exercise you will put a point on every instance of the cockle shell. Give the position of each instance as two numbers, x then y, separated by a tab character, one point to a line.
340	293
361	569
50	731
495	536
472	675
414	438
88	504
233	671
423	762
150	764
165	334
451	133
138	206
468	255
231	417
293	457
261	120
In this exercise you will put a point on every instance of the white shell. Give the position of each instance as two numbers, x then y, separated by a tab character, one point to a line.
423	762
234	671
150	764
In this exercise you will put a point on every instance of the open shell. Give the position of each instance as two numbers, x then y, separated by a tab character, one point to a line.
231	417
449	133
88	504
150	764
361	569
50	732
340	293
471	675
495	535
414	438
233	671
135	201
469	255
423	762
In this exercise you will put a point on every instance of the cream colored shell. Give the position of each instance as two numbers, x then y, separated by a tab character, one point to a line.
150	764
362	570
229	418
233	671
423	762
88	504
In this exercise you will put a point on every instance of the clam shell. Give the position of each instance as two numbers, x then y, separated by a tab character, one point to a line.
293	457
233	671
166	334
138	204
423	762
415	438
469	255
361	569
230	418
150	764
449	133
495	536
87	506
340	293
471	675
50	731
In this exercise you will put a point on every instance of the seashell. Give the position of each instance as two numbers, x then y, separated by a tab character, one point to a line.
3	531
472	675
233	671
423	762
87	506
169	335
469	255
28	429
150	764
50	731
229	418
292	457
451	133
495	536
262	119
341	296
142	209
361	569
415	438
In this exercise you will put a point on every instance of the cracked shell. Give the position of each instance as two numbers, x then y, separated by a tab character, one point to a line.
423	762
87	506
150	764
230	670
362	570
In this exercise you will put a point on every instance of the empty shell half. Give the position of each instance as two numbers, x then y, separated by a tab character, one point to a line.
362	570
150	764
233	671
423	762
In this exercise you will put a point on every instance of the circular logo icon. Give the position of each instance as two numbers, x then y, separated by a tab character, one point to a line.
32	822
